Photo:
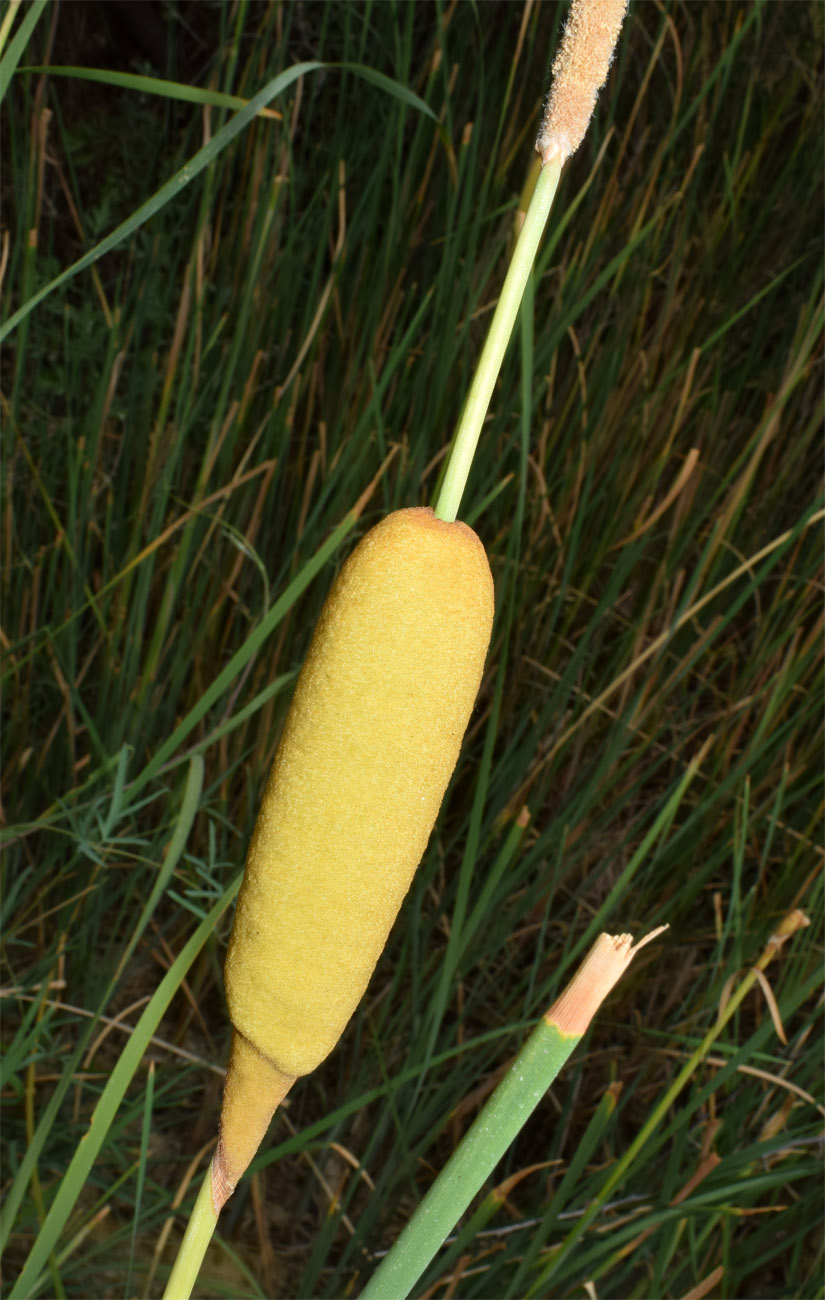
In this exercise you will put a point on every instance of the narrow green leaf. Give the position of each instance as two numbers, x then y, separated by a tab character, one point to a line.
183	826
144	85
250	647
196	165
113	1094
145	1131
17	45
168	191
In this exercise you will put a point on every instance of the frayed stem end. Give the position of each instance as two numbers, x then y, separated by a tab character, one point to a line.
601	969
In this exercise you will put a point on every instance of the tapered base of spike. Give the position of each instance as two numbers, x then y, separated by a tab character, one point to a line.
253	1091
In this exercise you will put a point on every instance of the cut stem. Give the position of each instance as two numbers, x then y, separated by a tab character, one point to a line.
508	1109
466	435
790	924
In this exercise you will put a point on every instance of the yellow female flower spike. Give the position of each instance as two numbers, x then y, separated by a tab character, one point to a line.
370	742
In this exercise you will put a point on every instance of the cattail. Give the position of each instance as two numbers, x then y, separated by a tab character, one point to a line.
579	71
370	742
373	732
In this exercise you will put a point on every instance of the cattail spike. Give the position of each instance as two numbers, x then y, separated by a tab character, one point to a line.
370	743
579	71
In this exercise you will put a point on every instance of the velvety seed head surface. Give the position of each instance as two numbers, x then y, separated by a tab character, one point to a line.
370	743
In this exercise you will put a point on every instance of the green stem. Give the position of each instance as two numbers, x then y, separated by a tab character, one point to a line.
510	1106
473	1160
197	1237
501	327
784	931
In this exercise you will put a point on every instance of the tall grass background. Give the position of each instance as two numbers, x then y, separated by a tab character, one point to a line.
196	429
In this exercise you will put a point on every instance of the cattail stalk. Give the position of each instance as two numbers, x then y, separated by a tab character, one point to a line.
579	71
475	409
790	925
507	1110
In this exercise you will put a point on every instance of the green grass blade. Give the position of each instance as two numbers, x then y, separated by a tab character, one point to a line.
167	192
202	159
188	810
145	1134
183	826
111	1097
144	85
390	85
196	95
246	652
18	43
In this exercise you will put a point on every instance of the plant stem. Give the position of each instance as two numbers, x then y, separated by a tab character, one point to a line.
501	1119
790	924
198	1234
507	1110
466	435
